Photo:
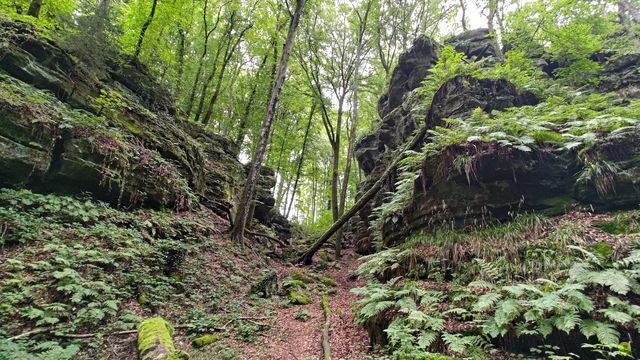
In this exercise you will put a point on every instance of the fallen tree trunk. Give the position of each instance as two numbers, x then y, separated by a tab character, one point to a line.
155	340
308	255
326	347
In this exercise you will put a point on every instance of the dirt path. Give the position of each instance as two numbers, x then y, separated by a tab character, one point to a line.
293	339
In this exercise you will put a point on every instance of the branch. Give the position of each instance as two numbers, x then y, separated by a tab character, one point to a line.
274	239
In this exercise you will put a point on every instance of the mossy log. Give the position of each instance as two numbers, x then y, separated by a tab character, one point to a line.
155	341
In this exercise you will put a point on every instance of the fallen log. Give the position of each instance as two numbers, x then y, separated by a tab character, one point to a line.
155	340
307	256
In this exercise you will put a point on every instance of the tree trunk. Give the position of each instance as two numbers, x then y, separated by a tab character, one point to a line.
34	8
301	158
225	62
464	15
205	85
249	187
181	53
207	34
315	194
145	26
307	256
335	164
244	120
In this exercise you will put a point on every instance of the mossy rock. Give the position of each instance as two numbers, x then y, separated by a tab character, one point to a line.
266	285
205	340
301	316
327	281
300	276
299	298
293	284
143	299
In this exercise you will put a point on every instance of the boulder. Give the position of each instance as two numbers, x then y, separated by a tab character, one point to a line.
459	96
622	75
476	44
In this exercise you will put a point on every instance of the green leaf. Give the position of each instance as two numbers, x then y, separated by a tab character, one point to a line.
507	311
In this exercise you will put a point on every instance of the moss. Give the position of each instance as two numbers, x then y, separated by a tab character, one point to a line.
325	307
294	284
300	276
205	340
612	227
327	281
603	249
556	205
299	298
143	299
626	222
266	285
155	340
301	316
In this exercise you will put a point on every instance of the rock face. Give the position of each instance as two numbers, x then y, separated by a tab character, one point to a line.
66	131
502	180
622	74
476	44
459	96
117	138
401	113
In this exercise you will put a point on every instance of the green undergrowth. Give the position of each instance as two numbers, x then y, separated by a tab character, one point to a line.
73	265
513	289
627	222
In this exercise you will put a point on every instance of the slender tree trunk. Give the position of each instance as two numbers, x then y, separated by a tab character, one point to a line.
244	120
279	172
354	124
181	53
463	8
314	194
237	233
301	158
207	34
145	26
225	62
205	85
307	256
34	8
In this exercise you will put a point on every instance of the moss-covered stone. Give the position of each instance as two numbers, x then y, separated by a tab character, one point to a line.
299	298
290	284
205	340
327	281
143	299
266	285
300	276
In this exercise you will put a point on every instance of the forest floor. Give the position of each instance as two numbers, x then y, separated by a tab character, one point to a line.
289	338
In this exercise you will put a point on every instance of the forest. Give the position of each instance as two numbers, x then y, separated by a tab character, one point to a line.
319	179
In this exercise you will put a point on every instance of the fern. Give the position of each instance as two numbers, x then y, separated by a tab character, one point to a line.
605	332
